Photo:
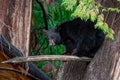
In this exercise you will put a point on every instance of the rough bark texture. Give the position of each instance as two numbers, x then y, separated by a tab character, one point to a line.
15	20
106	64
15	16
72	70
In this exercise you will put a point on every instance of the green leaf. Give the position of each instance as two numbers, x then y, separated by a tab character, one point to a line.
110	36
105	27
93	16
98	25
101	17
118	0
69	4
111	9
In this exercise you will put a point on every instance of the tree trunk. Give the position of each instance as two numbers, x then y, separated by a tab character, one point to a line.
15	20
106	63
72	70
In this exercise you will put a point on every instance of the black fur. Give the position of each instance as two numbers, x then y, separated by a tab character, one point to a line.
79	37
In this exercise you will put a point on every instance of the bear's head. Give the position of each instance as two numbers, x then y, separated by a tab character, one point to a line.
53	37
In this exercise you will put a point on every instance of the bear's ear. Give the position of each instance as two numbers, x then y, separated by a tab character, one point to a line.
57	28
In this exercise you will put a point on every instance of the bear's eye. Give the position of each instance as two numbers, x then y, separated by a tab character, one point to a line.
52	37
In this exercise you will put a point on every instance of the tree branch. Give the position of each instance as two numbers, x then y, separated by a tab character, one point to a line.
47	57
44	14
11	51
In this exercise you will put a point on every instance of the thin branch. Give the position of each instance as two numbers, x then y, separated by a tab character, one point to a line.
47	57
20	72
44	14
41	46
7	26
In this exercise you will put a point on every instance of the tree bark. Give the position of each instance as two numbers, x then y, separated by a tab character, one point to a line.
71	70
106	63
15	21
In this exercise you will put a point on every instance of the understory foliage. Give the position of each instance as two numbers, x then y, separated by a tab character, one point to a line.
57	12
39	45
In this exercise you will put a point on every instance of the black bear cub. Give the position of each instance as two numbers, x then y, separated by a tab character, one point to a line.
79	37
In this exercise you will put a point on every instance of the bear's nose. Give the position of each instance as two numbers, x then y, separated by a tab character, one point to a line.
51	42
